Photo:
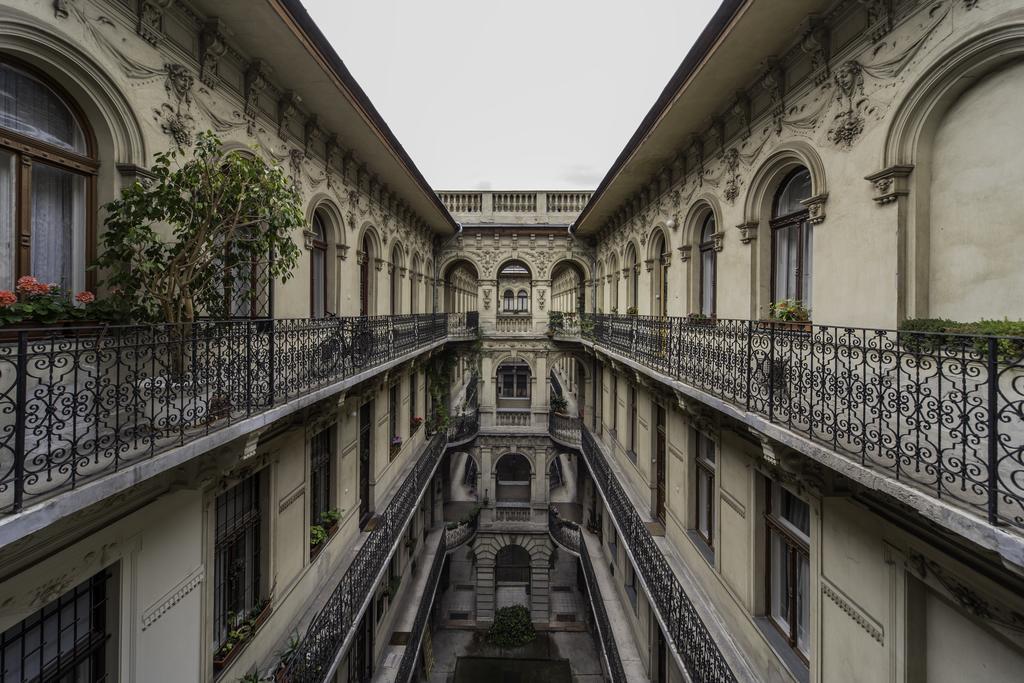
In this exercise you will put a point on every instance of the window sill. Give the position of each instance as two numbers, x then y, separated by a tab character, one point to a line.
783	651
706	551
223	663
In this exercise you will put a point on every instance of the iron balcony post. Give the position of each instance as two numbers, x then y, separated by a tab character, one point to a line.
272	364
750	359
993	432
248	367
21	398
771	373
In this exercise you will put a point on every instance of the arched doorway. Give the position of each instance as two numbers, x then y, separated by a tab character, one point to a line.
513	474
512	566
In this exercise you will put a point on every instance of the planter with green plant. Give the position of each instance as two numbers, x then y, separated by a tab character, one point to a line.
788	315
632	310
512	627
700	319
243	627
559	404
285	656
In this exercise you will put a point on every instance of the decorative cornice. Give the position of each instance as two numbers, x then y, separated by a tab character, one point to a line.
748	231
852	610
164	605
291	498
890	183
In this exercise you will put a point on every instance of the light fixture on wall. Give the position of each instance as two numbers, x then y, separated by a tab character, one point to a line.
671	224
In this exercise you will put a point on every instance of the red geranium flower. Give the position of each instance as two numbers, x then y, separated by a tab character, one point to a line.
26	283
7	297
85	297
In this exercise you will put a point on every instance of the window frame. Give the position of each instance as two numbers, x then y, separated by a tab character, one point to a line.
800	222
321	473
797	544
707	249
90	649
318	250
28	151
250	521
708	467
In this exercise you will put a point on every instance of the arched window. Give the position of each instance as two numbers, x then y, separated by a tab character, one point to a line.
364	276
414	306
613	285
522	299
792	240
632	278
660	283
708	265
396	281
509	300
318	268
47	169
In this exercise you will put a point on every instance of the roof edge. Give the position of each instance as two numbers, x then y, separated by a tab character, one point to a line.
304	21
701	47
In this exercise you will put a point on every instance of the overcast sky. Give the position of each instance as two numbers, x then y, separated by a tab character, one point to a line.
512	94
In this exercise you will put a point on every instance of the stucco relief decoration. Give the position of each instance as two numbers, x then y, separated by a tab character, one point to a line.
255	83
174	116
978	605
212	46
732	183
848	124
60	8
151	19
287	110
773	83
880	17
540	298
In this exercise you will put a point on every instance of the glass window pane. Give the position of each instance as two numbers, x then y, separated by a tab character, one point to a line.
58	223
798	187
779	585
807	266
707	289
319	284
803	603
32	108
8	193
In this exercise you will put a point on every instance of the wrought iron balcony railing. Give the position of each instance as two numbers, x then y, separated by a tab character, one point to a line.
685	628
463	428
941	412
412	646
568	536
334	625
80	402
564	428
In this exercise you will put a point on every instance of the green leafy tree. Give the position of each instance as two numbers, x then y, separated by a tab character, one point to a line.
176	245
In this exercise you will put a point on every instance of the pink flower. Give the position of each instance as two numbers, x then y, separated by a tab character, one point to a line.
39	288
7	297
85	297
26	283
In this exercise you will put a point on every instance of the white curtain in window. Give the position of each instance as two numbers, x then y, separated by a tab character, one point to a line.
33	109
58	213
7	219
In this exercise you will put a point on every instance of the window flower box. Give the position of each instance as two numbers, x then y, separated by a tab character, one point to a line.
240	636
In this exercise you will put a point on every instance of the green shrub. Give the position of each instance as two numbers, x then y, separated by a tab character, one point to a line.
317	535
925	335
512	627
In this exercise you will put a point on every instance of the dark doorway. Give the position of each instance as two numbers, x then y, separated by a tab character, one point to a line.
659	462
365	459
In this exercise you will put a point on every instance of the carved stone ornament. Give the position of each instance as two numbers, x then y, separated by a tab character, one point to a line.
287	110
212	46
255	83
60	8
295	158
890	183
308	237
815	207
684	252
379	264
342	251
741	110
748	231
718	240
773	82
880	18
848	124
174	116
973	602
151	19
540	298
732	182
815	42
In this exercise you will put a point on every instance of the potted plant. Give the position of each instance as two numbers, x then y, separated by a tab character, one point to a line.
700	319
632	310
33	304
285	656
329	520
414	423
559	404
244	626
317	536
790	315
396	445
